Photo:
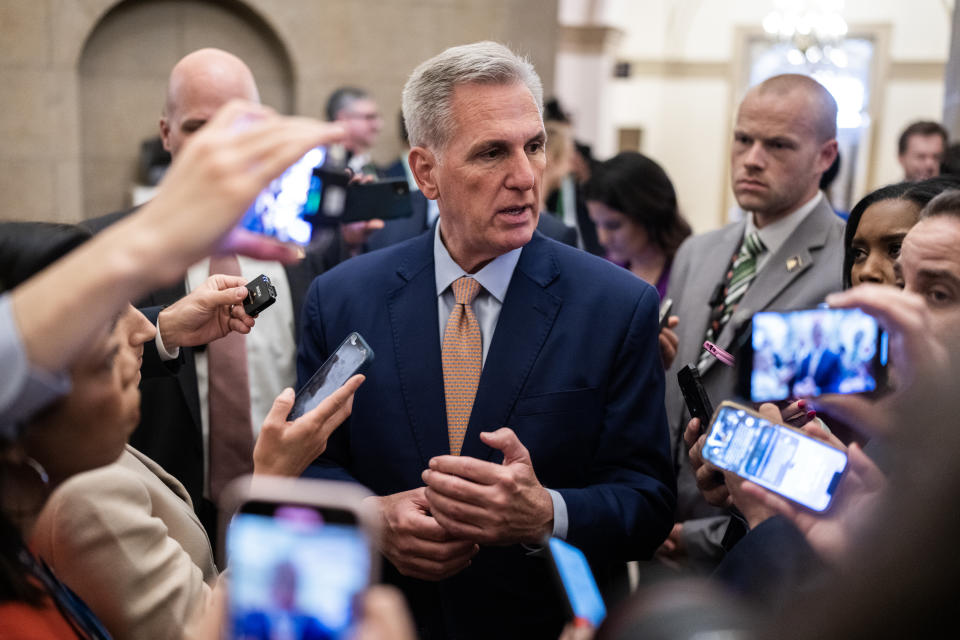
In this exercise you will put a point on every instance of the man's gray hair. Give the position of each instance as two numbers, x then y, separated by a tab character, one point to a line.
428	94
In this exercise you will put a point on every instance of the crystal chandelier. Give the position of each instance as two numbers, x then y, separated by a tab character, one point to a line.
813	28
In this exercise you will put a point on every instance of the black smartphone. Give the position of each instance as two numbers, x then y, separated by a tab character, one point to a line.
384	199
573	573
810	352
300	552
353	356
665	308
782	459
694	395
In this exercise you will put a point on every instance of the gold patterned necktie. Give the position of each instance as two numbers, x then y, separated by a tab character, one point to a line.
462	360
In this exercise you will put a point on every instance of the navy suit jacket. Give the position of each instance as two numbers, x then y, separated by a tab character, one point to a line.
829	373
573	368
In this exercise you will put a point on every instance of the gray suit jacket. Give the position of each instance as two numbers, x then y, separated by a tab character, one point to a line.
800	274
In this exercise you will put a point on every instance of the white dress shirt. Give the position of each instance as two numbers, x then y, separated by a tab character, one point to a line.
271	346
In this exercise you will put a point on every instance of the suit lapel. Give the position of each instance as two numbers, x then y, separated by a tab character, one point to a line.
710	273
786	265
526	317
416	341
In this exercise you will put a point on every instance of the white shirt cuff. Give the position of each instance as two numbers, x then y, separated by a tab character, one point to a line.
560	519
162	350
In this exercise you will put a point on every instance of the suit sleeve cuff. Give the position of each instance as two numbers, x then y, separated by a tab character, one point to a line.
560	519
162	351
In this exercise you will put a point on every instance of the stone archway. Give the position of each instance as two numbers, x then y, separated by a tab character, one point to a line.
122	73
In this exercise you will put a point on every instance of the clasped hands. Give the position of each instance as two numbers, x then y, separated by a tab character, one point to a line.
433	532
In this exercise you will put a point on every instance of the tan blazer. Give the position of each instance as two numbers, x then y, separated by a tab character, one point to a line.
126	539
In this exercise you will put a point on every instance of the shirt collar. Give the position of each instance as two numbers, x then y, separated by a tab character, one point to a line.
494	277
775	234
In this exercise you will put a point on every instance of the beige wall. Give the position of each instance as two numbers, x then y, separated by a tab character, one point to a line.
83	79
685	57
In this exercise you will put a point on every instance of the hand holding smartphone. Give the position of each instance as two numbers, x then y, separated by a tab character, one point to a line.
314	192
780	458
300	554
583	598
353	356
810	352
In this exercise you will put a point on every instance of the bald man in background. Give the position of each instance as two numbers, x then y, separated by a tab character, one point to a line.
175	422
784	139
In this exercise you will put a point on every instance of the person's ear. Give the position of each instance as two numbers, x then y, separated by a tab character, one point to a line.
165	133
423	165
828	153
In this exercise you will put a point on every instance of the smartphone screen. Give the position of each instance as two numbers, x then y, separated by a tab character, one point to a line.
578	582
350	358
287	208
295	571
774	456
814	351
665	308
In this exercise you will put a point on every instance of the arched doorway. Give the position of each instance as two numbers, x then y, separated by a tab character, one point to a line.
123	72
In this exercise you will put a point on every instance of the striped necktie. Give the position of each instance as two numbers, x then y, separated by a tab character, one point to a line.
462	360
738	279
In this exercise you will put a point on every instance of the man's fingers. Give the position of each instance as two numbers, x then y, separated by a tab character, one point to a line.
440	551
870	474
281	407
426	568
455	509
456	488
479	471
692	433
240	326
259	247
770	500
855	410
815	430
221	281
504	439
424	527
226	297
465	530
895	309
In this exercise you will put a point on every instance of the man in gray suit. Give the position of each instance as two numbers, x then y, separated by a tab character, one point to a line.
786	253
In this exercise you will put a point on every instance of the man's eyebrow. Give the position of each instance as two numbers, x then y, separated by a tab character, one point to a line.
938	274
193	123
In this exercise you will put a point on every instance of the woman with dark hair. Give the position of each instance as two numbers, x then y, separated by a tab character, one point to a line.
33	603
877	225
634	206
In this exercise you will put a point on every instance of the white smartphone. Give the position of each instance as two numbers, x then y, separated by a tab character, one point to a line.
780	458
300	553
